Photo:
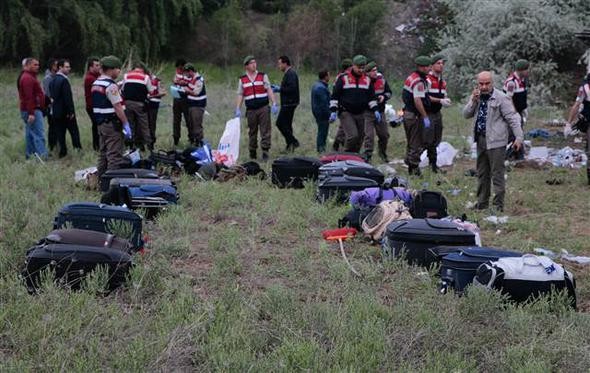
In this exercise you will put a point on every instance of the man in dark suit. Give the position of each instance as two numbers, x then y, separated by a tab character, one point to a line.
63	108
289	91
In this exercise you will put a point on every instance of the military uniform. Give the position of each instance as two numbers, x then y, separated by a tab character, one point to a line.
345	67
437	87
373	127
515	87
153	107
136	85
196	98
584	98
179	105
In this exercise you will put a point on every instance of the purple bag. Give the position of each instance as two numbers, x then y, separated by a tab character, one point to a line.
371	197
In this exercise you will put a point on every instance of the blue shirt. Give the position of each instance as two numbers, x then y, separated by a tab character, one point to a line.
320	100
482	115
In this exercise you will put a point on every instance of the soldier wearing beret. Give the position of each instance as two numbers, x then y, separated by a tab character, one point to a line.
416	120
109	115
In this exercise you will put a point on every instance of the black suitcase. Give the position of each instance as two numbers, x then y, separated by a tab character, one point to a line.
351	168
412	239
428	204
87	238
292	172
340	187
71	263
435	254
457	270
135	182
170	158
129	173
99	217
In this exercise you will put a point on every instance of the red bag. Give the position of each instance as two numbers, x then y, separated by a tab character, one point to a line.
335	157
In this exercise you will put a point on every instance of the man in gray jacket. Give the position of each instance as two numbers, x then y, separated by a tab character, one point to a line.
494	114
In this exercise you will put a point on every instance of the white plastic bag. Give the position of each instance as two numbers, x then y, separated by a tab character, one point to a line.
445	155
228	150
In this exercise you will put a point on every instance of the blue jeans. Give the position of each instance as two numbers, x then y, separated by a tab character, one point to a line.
34	135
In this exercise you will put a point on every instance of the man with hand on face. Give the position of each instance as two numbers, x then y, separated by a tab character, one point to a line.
110	116
254	89
416	120
354	102
494	116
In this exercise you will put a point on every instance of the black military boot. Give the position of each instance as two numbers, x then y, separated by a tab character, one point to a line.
252	154
588	174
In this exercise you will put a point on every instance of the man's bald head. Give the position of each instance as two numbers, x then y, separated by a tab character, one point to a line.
485	82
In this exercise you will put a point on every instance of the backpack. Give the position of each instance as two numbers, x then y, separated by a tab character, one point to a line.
376	222
428	204
354	218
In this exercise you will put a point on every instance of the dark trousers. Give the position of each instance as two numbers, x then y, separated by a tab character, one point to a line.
433	136
323	127
354	130
339	139
285	124
413	127
195	133
152	119
259	119
490	169
179	109
63	125
95	137
137	115
51	132
110	155
373	127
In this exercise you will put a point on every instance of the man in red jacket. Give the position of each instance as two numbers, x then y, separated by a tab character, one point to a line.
32	102
92	73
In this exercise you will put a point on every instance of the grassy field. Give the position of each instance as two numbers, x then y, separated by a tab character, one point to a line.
238	278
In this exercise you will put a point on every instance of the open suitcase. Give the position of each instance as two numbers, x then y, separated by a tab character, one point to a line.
292	172
128	173
413	238
457	270
351	168
87	238
340	187
71	263
99	217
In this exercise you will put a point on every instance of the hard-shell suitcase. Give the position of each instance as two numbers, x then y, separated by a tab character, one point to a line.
457	270
340	187
292	172
342	156
351	168
130	173
412	238
435	255
85	237
99	217
71	263
168	193
133	182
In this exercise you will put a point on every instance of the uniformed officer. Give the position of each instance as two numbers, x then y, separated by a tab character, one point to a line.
196	99
345	67
383	94
353	101
416	120
110	116
580	115
254	89
179	105
136	86
154	99
437	93
515	87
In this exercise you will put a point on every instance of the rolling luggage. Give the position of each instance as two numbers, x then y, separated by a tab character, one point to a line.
71	263
412	239
457	270
87	238
340	187
292	172
130	173
526	277
351	168
428	204
116	220
344	156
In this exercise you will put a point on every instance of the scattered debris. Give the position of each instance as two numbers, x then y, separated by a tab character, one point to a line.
497	219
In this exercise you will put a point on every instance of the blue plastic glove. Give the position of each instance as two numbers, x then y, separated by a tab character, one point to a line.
333	117
238	113
275	88
426	123
274	109
378	116
127	131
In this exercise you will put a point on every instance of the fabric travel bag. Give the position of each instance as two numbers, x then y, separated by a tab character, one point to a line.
343	156
527	277
116	220
386	212
87	238
351	168
71	263
293	172
457	270
428	204
129	173
412	239
340	187
171	158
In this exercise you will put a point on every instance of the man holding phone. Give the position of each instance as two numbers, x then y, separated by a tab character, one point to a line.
494	115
